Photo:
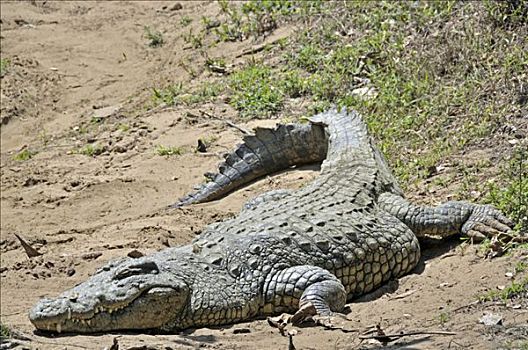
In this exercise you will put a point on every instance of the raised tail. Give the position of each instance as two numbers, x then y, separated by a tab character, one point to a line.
340	138
265	152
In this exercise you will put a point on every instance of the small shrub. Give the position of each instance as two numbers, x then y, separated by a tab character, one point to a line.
5	333
91	150
168	95
169	151
24	155
155	37
4	64
254	92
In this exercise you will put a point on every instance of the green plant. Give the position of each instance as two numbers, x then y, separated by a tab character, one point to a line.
515	289
443	317
24	155
195	40
185	21
512	195
254	93
509	12
91	150
4	64
155	37
169	150
123	127
5	333
168	95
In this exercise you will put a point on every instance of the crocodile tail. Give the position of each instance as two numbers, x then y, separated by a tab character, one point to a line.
265	152
350	144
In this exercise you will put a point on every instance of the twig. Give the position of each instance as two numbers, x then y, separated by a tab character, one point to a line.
403	295
228	122
258	48
400	335
30	251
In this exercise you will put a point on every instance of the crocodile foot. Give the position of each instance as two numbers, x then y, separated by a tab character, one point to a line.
486	222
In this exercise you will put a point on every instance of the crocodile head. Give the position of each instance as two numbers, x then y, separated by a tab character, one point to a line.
125	294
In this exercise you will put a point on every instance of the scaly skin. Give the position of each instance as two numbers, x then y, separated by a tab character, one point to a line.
343	235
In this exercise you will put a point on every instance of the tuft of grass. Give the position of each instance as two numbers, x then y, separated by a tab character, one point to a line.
511	195
4	64
514	290
254	93
24	155
507	13
5	333
443	317
256	17
168	95
185	21
154	37
195	40
91	150
123	127
169	150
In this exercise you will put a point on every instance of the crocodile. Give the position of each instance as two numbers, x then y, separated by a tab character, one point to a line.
316	248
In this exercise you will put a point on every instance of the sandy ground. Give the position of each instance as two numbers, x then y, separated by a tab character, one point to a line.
71	61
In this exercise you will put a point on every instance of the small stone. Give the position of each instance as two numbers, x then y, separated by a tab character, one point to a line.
490	319
91	256
70	272
135	254
176	7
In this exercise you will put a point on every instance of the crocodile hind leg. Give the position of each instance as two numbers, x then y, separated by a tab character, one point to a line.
473	220
310	290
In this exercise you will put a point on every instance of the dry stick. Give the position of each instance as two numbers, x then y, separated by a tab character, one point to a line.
400	335
30	251
258	48
228	122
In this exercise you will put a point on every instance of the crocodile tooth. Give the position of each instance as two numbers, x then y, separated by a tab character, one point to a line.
89	322
59	328
69	314
110	311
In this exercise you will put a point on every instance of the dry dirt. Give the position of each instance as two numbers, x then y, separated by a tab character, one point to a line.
71	61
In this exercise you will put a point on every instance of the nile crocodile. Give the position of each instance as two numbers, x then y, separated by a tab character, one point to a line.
344	234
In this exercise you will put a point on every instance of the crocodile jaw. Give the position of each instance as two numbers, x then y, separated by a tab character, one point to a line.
122	295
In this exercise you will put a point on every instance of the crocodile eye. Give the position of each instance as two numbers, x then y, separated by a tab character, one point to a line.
147	267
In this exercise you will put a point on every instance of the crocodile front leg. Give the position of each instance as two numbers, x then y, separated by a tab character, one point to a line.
473	220
306	289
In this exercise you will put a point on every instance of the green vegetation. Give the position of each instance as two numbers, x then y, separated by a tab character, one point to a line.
521	266
443	317
91	150
176	94
24	155
123	127
254	92
4	64
167	95
155	38
4	331
433	80
512	196
514	290
185	21
169	150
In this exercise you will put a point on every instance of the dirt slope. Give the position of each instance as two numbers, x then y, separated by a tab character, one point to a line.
75	96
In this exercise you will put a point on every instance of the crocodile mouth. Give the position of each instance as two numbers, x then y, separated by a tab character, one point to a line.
126	314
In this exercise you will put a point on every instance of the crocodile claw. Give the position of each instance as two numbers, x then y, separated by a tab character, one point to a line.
486	222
